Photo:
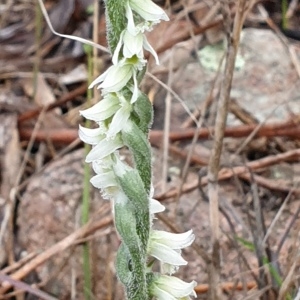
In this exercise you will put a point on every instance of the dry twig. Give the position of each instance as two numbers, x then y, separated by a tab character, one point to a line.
227	173
220	124
55	249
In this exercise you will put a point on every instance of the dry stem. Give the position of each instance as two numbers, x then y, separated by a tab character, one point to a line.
214	162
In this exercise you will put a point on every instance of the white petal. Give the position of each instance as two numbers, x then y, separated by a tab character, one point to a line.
120	168
99	79
104	180
103	109
160	294
129	15
116	78
135	93
173	240
115	57
168	268
145	26
149	48
176	287
90	136
133	44
98	169
156	206
105	164
165	254
119	119
148	10
104	148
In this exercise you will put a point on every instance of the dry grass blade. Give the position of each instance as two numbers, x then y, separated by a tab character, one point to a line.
258	232
72	37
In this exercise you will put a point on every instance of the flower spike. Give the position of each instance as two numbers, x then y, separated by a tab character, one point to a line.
124	117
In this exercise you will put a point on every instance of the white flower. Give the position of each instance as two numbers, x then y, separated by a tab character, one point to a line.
147	10
106	180
166	247
105	164
104	148
113	105
133	44
107	184
104	109
120	118
91	136
114	78
171	288
117	76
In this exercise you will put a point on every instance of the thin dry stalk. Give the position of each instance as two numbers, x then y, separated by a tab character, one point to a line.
167	123
292	274
241	258
258	232
284	40
292	8
19	264
287	230
278	215
289	280
95	40
199	124
233	39
23	287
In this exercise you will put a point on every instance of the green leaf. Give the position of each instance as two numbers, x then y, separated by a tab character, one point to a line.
115	21
136	284
274	273
144	110
139	145
123	265
249	245
133	188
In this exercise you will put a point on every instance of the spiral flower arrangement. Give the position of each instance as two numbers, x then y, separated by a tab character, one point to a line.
124	117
